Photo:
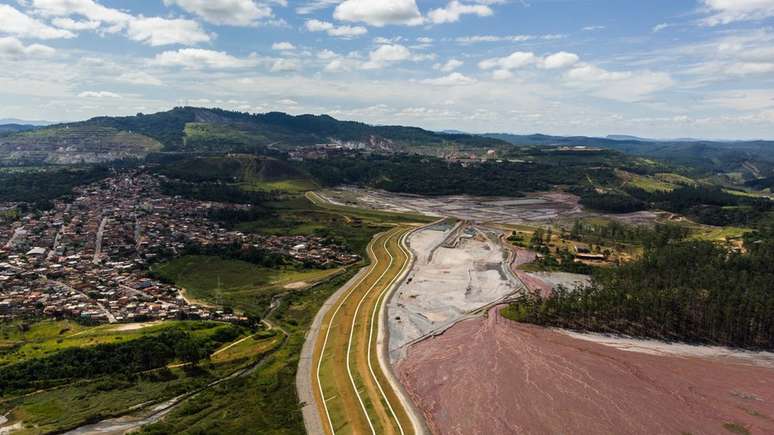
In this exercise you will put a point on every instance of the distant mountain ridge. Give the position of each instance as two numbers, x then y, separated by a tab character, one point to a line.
753	159
189	128
5	121
6	129
194	129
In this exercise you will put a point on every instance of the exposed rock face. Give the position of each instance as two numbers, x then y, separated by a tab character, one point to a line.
73	145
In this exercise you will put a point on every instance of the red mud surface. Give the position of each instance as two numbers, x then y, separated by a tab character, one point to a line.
495	376
534	284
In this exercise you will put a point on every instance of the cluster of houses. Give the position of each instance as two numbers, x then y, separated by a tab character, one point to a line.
89	257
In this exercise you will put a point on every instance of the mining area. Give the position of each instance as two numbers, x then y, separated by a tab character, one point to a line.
533	208
459	269
492	375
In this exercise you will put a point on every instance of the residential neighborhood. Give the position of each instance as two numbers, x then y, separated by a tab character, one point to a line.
89	257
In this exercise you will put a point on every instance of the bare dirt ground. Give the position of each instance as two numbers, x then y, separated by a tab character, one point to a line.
655	347
135	326
543	283
491	375
456	271
535	208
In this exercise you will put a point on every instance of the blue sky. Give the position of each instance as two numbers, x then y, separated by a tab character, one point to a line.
657	68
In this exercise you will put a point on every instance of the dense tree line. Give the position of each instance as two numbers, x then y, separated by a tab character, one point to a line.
118	359
686	290
215	192
40	188
234	216
709	205
434	176
761	183
236	251
615	231
612	202
197	170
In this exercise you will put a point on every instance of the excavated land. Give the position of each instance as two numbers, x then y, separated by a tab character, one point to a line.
491	375
457	271
534	208
543	283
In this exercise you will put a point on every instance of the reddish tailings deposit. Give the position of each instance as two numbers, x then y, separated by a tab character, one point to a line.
493	376
543	283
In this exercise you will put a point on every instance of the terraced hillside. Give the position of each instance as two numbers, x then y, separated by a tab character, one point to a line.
70	144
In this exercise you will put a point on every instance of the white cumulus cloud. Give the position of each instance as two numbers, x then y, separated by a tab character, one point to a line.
281	65
283	46
157	31
195	58
98	94
11	47
628	86
454	10
153	31
86	8
227	12
453	79
139	78
561	59
517	59
449	66
16	23
521	59
70	24
386	54
729	11
333	30
379	12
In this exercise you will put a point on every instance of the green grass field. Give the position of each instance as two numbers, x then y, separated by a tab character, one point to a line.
234	283
288	186
50	336
266	399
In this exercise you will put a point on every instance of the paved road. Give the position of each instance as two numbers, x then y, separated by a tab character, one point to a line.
98	244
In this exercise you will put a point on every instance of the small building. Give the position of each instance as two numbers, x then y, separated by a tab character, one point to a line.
36	252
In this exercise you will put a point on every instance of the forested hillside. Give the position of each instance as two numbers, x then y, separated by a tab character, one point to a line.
678	290
433	176
750	159
194	129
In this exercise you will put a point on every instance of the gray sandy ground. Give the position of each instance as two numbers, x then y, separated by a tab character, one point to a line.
452	276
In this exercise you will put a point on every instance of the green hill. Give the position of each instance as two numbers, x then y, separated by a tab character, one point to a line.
217	130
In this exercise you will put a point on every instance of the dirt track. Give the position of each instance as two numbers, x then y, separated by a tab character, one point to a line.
494	376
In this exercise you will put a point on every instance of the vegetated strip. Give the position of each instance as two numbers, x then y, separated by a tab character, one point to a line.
376	391
382	349
392	276
372	322
374	265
